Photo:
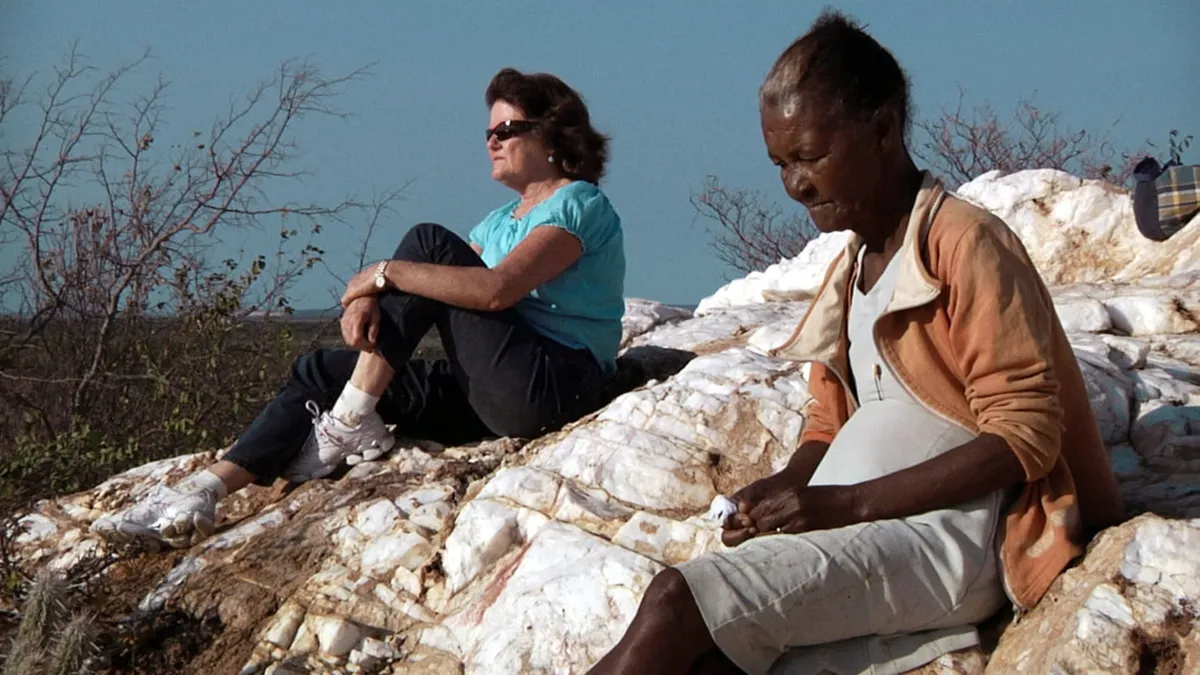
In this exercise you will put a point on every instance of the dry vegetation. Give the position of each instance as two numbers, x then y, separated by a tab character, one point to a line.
125	338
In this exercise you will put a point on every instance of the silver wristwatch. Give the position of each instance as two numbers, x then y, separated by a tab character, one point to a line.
381	274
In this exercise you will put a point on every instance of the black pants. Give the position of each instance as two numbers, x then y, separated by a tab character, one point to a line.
501	377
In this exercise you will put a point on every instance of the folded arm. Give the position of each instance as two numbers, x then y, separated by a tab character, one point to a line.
970	471
1009	385
544	254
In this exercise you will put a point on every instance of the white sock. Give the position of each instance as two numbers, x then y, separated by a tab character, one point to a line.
353	405
204	480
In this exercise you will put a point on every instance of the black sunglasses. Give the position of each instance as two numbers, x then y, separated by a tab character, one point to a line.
509	128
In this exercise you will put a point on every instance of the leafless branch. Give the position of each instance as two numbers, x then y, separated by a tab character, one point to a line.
961	144
129	325
748	232
381	205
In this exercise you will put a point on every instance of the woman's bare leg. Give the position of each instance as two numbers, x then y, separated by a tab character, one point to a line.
372	373
668	634
233	476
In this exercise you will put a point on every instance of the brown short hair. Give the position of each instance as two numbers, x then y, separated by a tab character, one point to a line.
562	118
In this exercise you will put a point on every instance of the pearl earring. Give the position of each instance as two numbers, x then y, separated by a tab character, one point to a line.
550	159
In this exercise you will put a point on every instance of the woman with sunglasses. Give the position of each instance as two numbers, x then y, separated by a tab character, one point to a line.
529	311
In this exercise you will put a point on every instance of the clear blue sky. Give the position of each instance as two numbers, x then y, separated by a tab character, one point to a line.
673	83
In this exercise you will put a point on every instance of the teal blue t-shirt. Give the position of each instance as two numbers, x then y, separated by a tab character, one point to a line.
582	307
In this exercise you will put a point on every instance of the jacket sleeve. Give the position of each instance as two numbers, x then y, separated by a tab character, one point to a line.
823	387
1002	324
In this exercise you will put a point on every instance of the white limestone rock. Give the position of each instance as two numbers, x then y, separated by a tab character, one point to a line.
281	632
654	448
378	649
432	516
387	552
415	499
555	604
1082	314
1080	230
483	533
1109	391
1169	435
643	315
667	541
335	636
1126	353
788	280
1154	312
34	528
376	518
1185	348
1130	607
721	328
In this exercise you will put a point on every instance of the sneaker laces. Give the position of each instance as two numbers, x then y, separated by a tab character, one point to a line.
322	433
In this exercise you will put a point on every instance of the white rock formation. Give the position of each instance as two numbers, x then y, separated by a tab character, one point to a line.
1075	230
787	280
504	557
1080	230
642	315
1129	608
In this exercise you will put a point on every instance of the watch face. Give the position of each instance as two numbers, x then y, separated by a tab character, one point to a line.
379	281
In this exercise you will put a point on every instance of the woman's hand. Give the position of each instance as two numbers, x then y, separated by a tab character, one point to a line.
360	323
782	503
361	285
741	526
805	508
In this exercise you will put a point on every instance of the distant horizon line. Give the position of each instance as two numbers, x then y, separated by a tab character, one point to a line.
310	313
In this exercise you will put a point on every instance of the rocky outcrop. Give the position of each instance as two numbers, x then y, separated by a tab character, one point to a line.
509	556
1130	607
1075	230
1080	230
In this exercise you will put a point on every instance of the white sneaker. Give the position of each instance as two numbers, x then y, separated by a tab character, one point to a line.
168	516
333	441
307	465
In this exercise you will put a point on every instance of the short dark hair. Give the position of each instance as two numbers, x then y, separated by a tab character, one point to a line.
844	67
562	118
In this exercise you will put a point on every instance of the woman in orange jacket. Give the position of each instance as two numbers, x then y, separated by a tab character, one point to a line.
950	461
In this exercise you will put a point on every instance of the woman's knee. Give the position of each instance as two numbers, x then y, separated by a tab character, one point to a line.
420	239
670	597
429	230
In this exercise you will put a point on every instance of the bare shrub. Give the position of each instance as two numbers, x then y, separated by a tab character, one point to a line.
131	340
748	232
964	142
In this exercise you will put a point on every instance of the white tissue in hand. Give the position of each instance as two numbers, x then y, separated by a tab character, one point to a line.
722	507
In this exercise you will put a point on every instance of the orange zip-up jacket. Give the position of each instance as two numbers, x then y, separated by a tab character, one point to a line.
971	331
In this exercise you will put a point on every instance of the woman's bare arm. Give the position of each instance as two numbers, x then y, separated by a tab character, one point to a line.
544	254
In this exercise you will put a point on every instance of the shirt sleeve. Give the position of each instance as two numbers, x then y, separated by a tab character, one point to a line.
478	233
1010	383
587	214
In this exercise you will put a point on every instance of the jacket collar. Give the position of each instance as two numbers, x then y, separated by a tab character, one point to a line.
818	336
